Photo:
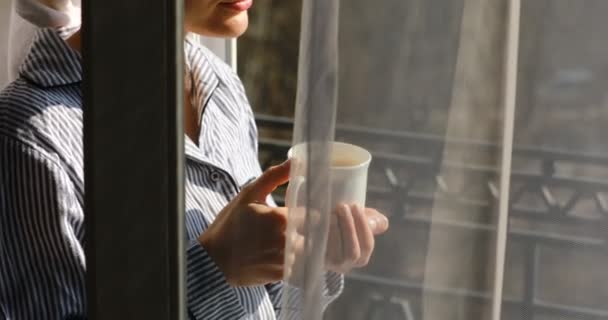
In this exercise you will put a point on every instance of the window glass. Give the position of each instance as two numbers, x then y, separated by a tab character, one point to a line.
421	85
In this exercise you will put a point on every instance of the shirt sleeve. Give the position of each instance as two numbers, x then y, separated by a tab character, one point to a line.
210	297
287	302
42	269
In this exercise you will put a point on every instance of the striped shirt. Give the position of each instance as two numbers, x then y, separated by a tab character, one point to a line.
42	262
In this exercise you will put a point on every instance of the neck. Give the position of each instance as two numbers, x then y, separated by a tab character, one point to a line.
74	41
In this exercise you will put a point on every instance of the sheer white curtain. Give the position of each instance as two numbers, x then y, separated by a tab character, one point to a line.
5	16
19	20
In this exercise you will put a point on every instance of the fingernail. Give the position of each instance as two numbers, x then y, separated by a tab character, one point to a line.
372	223
383	221
346	208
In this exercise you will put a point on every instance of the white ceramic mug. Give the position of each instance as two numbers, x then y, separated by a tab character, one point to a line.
349	167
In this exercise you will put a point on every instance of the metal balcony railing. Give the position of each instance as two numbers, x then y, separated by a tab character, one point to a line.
409	160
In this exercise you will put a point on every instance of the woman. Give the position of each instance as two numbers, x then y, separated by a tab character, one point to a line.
235	259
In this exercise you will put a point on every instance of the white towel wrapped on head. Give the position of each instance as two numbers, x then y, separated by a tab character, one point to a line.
27	16
48	13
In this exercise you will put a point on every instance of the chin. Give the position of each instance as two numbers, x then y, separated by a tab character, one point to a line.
236	26
223	27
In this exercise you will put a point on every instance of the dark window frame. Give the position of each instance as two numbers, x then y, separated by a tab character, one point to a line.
134	161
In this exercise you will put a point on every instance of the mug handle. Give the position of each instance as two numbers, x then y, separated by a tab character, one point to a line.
293	189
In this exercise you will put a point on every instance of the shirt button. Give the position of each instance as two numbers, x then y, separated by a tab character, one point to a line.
215	176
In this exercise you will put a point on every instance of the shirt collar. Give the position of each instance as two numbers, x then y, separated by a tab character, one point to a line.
204	74
205	78
192	151
51	61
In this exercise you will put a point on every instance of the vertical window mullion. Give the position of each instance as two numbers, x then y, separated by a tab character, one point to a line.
133	135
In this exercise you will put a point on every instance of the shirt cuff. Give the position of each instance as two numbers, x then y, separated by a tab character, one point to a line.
293	298
334	284
209	294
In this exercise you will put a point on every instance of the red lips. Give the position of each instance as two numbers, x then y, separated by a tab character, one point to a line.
238	5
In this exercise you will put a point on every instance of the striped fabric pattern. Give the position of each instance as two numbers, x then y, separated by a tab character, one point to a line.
42	263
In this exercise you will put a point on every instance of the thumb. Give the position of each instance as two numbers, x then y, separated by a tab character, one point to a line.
378	222
265	184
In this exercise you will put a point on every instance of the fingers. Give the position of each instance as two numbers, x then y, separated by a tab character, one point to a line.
365	235
266	274
297	242
265	184
378	222
303	219
276	217
274	257
294	255
333	255
351	239
280	214
351	250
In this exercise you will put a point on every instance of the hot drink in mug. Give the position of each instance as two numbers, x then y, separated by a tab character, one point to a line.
349	165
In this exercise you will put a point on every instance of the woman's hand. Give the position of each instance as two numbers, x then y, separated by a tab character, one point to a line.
247	239
351	241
